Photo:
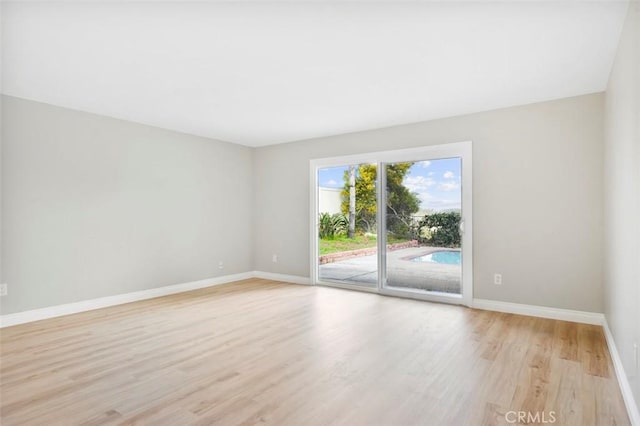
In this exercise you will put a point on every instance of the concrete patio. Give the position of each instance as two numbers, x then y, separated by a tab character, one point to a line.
401	271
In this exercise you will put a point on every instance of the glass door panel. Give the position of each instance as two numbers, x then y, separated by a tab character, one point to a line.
347	225
422	226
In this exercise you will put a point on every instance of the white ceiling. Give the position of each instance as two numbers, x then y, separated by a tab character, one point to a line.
265	73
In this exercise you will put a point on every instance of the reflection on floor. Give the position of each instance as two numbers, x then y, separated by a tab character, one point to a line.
401	271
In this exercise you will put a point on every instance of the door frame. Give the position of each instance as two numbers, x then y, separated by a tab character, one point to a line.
464	151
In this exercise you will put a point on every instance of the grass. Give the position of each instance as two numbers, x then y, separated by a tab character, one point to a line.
342	243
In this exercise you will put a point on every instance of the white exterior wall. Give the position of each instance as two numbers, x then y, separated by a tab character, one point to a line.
329	200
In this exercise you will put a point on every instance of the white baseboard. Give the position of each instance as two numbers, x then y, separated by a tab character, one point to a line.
574	316
103	302
539	311
293	279
87	305
623	381
119	299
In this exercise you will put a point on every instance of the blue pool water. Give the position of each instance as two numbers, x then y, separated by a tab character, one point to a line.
444	257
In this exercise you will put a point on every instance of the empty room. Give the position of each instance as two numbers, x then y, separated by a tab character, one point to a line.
302	213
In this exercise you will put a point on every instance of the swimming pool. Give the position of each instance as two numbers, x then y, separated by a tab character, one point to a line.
446	257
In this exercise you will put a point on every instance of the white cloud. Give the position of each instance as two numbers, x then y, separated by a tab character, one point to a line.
424	164
431	173
448	175
448	186
418	184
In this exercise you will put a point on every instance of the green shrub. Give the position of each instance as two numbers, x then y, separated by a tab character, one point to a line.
332	225
440	229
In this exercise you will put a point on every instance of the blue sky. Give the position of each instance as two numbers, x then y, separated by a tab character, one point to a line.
437	182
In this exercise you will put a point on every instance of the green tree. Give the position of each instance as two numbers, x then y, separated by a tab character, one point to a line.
365	194
401	203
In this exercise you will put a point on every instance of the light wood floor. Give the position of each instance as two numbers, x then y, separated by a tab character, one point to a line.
266	352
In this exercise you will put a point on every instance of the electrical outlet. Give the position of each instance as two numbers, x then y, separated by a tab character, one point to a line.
221	265
497	279
3	289
274	258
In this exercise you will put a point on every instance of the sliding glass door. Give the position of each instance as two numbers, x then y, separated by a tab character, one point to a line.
347	225
422	226
396	223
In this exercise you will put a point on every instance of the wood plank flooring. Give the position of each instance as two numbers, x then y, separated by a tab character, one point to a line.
265	352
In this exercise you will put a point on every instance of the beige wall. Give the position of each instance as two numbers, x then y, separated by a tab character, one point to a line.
537	198
622	197
94	206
